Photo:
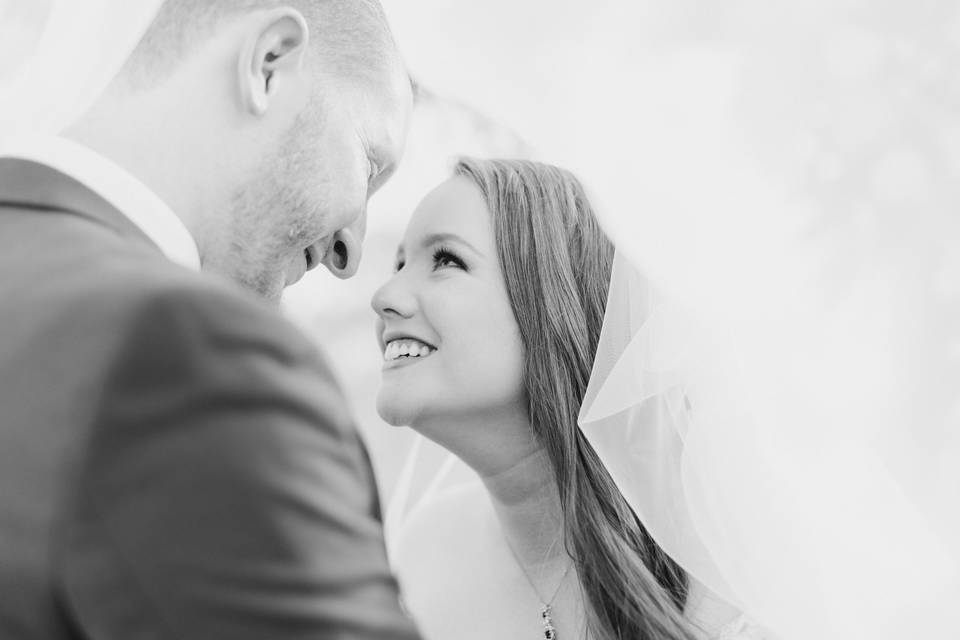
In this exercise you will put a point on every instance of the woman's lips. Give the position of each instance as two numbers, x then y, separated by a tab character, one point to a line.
405	351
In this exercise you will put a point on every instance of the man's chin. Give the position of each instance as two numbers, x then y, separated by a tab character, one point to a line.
267	287
272	294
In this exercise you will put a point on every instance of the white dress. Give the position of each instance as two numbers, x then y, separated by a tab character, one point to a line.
429	571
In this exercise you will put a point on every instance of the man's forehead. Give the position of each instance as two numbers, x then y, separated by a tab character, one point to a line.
388	121
401	103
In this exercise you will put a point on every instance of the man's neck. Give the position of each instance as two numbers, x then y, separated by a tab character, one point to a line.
149	154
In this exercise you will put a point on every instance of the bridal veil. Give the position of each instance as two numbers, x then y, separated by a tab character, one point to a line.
776	388
59	56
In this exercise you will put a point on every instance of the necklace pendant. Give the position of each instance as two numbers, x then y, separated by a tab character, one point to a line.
549	631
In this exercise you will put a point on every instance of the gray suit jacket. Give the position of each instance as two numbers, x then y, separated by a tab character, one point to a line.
176	461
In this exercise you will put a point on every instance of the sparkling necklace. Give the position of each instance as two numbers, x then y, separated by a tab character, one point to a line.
546	610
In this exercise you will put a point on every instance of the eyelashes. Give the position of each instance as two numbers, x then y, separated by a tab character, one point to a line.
444	257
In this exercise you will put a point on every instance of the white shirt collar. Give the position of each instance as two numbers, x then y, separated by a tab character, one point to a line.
118	187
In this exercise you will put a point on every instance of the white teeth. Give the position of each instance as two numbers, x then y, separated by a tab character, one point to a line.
406	347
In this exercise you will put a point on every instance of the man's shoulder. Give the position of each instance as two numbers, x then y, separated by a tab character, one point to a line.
214	303
65	263
188	334
140	316
128	290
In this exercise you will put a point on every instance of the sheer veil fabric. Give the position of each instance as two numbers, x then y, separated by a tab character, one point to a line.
60	55
811	531
776	389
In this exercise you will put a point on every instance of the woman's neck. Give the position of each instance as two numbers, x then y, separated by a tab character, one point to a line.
519	479
527	503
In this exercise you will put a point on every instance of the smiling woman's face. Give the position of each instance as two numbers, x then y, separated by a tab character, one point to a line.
452	347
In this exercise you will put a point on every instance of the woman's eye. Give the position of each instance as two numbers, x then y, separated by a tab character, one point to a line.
445	258
397	267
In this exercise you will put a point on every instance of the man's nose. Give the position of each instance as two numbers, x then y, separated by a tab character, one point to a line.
346	249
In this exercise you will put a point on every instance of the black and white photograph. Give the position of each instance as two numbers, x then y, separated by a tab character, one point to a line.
503	320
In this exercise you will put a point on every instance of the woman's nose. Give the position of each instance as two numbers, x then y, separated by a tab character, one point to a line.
394	298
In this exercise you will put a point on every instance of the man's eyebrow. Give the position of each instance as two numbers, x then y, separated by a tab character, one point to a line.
447	236
384	169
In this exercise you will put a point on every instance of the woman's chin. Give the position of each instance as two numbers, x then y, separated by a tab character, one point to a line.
394	413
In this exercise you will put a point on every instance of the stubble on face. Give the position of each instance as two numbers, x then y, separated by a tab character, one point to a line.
314	182
271	217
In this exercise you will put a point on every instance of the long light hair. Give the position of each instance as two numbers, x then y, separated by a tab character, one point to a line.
557	262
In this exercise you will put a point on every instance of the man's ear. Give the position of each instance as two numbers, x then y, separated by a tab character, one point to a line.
272	57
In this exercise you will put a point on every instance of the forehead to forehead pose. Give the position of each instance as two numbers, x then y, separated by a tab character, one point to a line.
489	328
265	125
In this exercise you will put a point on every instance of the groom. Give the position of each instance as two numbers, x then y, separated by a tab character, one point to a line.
176	460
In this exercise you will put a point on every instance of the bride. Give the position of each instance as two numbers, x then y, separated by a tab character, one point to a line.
489	327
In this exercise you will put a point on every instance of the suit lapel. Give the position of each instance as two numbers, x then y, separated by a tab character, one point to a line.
28	184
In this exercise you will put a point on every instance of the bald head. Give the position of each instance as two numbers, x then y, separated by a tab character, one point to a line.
350	37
